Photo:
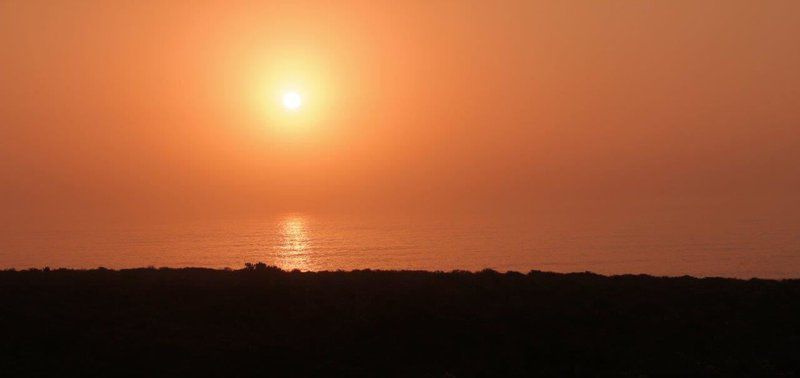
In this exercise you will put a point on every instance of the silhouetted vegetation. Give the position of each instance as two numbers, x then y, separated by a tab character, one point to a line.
262	320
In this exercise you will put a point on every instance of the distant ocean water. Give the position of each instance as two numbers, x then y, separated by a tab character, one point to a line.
741	245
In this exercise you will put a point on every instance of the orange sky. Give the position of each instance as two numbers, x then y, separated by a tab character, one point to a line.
119	108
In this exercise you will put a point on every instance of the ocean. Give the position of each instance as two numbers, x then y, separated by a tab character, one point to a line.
657	243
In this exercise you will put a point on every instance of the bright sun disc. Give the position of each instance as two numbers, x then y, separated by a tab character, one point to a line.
292	100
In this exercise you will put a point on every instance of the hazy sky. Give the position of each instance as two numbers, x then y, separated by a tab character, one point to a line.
122	108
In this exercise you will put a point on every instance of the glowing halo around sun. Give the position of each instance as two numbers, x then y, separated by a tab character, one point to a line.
292	98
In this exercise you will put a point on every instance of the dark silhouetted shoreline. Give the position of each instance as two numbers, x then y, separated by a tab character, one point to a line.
265	321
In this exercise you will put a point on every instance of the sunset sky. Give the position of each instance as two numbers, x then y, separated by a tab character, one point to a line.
125	108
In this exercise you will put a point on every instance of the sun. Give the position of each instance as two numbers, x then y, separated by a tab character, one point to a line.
292	101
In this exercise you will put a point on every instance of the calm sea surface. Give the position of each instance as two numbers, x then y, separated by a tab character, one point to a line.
660	243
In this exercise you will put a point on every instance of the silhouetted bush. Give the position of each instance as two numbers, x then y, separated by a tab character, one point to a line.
261	320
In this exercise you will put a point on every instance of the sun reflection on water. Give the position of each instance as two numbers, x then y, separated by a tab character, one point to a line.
295	244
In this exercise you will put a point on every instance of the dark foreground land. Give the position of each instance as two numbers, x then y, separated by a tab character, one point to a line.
269	322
